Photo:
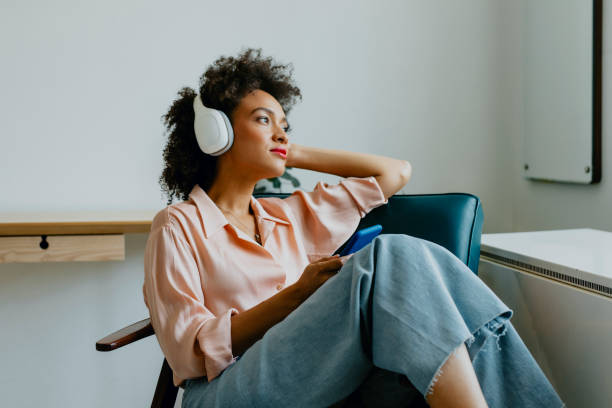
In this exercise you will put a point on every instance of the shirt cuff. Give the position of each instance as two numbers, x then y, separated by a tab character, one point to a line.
215	340
366	193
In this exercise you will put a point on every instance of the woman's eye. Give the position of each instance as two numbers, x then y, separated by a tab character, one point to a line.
267	120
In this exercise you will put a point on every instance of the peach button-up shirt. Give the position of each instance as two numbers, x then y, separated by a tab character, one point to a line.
199	269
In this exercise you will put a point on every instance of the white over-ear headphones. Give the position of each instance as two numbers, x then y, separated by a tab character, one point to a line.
212	128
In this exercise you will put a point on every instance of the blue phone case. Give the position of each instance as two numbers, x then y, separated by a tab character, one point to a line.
360	239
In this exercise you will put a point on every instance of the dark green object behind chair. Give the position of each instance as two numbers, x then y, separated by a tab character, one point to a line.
452	220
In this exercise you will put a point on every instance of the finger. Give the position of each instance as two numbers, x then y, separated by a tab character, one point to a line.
333	259
327	258
332	264
345	258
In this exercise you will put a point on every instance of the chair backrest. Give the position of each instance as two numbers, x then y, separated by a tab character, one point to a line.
452	220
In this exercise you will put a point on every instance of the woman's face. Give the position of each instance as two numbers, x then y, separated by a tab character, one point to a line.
259	125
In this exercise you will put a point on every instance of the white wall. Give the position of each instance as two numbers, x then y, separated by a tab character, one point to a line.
544	206
84	85
51	315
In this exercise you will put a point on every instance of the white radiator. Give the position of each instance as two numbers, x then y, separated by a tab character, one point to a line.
559	285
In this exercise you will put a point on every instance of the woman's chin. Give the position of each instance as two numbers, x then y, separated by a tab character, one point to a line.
280	170
271	174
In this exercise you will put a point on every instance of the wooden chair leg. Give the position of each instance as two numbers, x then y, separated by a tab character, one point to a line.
165	392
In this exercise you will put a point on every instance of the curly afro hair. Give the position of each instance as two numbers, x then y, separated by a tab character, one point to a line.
222	87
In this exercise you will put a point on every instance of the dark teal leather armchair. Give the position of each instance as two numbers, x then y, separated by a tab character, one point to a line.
452	220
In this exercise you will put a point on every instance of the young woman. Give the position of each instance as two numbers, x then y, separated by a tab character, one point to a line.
251	310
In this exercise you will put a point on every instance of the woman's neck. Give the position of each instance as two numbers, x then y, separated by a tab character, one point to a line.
232	196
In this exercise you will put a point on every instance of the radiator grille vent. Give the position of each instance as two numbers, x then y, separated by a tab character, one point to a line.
581	283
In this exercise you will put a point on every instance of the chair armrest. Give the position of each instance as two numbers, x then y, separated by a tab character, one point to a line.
127	335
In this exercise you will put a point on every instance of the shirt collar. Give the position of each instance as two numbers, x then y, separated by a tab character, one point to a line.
213	218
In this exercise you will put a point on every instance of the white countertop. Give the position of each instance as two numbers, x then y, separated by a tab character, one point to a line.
583	253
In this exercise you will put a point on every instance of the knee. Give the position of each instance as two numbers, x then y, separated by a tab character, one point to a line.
406	243
396	246
402	246
397	240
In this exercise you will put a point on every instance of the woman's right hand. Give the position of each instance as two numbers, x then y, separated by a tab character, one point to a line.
317	272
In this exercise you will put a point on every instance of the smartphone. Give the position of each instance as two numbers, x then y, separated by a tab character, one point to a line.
360	239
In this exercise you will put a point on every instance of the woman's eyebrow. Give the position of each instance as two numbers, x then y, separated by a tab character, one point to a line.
269	111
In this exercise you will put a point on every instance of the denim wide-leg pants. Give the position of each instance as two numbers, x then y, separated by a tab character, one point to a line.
399	305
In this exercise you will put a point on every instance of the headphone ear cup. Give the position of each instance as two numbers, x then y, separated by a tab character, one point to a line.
212	128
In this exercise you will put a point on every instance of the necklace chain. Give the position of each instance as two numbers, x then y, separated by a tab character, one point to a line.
257	237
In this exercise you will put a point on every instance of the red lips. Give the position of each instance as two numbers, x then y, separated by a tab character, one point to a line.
279	149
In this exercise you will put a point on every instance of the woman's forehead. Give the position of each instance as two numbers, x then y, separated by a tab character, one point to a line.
260	99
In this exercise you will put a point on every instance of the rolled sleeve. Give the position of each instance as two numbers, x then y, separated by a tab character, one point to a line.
328	216
366	193
216	343
195	342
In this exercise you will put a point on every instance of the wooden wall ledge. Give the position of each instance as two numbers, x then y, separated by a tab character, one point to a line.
76	223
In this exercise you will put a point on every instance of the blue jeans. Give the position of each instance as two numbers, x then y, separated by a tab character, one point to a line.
400	305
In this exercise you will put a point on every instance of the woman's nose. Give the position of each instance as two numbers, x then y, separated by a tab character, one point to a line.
281	137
